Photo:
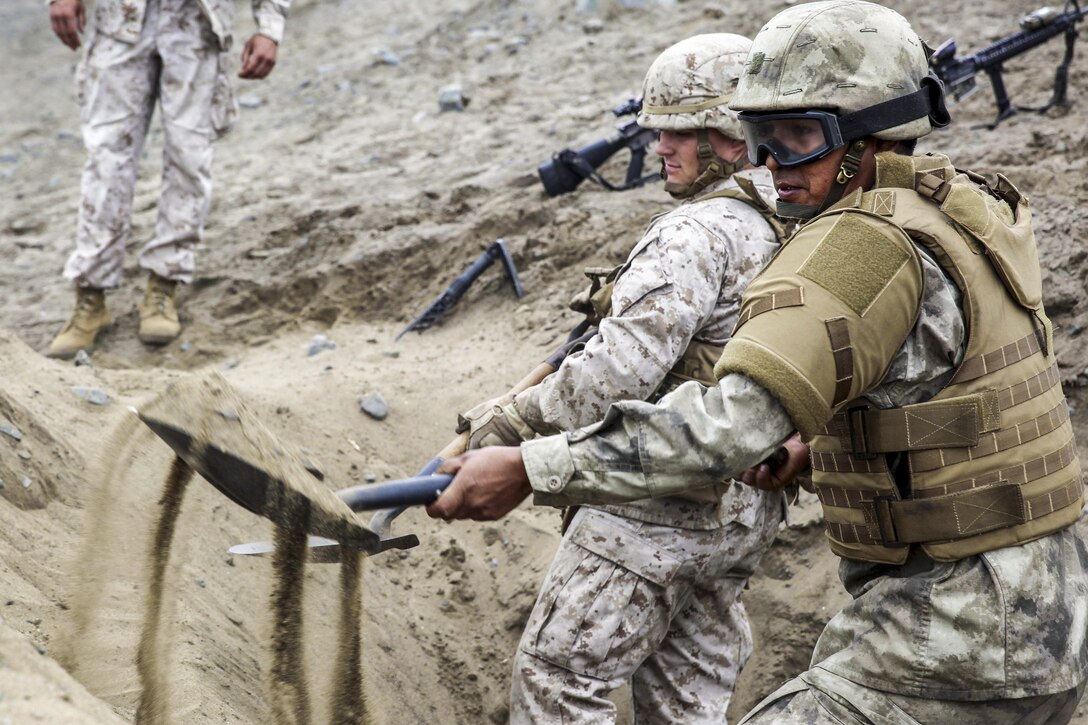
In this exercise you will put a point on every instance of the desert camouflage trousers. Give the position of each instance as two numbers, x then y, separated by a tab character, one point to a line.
178	64
820	697
655	606
986	640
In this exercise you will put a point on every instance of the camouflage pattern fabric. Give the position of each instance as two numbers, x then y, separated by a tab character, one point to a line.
178	61
819	697
696	435
682	281
982	633
124	19
659	611
653	605
835	55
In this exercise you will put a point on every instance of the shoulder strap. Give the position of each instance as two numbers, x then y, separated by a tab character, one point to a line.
749	194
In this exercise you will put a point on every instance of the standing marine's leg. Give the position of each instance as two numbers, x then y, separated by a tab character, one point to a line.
187	94
117	85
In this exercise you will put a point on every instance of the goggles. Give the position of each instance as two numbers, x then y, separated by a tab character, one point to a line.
792	138
798	137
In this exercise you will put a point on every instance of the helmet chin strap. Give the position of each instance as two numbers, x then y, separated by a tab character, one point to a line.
711	168
849	169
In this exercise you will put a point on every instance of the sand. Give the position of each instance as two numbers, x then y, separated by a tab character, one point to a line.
344	203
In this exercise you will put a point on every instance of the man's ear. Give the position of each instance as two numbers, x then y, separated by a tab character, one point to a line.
727	148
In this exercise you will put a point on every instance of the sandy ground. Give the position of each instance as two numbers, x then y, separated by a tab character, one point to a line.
345	202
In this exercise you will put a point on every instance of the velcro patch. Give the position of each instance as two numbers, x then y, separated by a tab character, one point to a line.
884	203
854	262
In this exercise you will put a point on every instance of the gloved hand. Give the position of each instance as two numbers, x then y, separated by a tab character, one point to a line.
494	423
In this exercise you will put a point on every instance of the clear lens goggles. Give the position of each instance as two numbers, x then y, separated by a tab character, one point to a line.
792	138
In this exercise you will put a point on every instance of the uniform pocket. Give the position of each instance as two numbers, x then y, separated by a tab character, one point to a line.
83	70
607	603
224	108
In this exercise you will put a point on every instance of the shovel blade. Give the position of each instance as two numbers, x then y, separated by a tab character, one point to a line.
209	427
237	479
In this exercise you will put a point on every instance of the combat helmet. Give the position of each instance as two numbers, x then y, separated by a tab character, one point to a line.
829	74
688	88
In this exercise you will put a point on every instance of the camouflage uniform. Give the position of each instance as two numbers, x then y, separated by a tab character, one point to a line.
138	51
998	636
662	575
951	634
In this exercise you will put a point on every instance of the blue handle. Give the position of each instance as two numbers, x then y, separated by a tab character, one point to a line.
415	491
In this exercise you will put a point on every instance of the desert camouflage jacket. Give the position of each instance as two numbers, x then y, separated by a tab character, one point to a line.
682	282
123	19
1008	623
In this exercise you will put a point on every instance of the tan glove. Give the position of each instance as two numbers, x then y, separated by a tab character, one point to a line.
494	423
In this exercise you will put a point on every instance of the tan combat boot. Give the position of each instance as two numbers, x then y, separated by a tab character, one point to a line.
88	319
158	315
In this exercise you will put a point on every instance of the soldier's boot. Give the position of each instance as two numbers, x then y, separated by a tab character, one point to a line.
158	315
88	319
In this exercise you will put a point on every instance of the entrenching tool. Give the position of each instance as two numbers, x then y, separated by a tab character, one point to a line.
392	498
437	309
212	431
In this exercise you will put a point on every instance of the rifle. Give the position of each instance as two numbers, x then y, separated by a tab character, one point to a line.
1037	27
437	309
568	168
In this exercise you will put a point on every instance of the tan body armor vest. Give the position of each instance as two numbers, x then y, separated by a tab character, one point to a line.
988	462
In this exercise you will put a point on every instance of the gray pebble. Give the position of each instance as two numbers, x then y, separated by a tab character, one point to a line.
24	454
12	432
230	364
370	478
94	396
320	343
250	101
82	358
25	480
387	57
452	98
374	405
593	26
40	648
200	582
185	346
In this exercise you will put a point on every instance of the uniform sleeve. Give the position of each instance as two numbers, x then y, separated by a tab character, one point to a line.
693	437
669	289
271	17
821	324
